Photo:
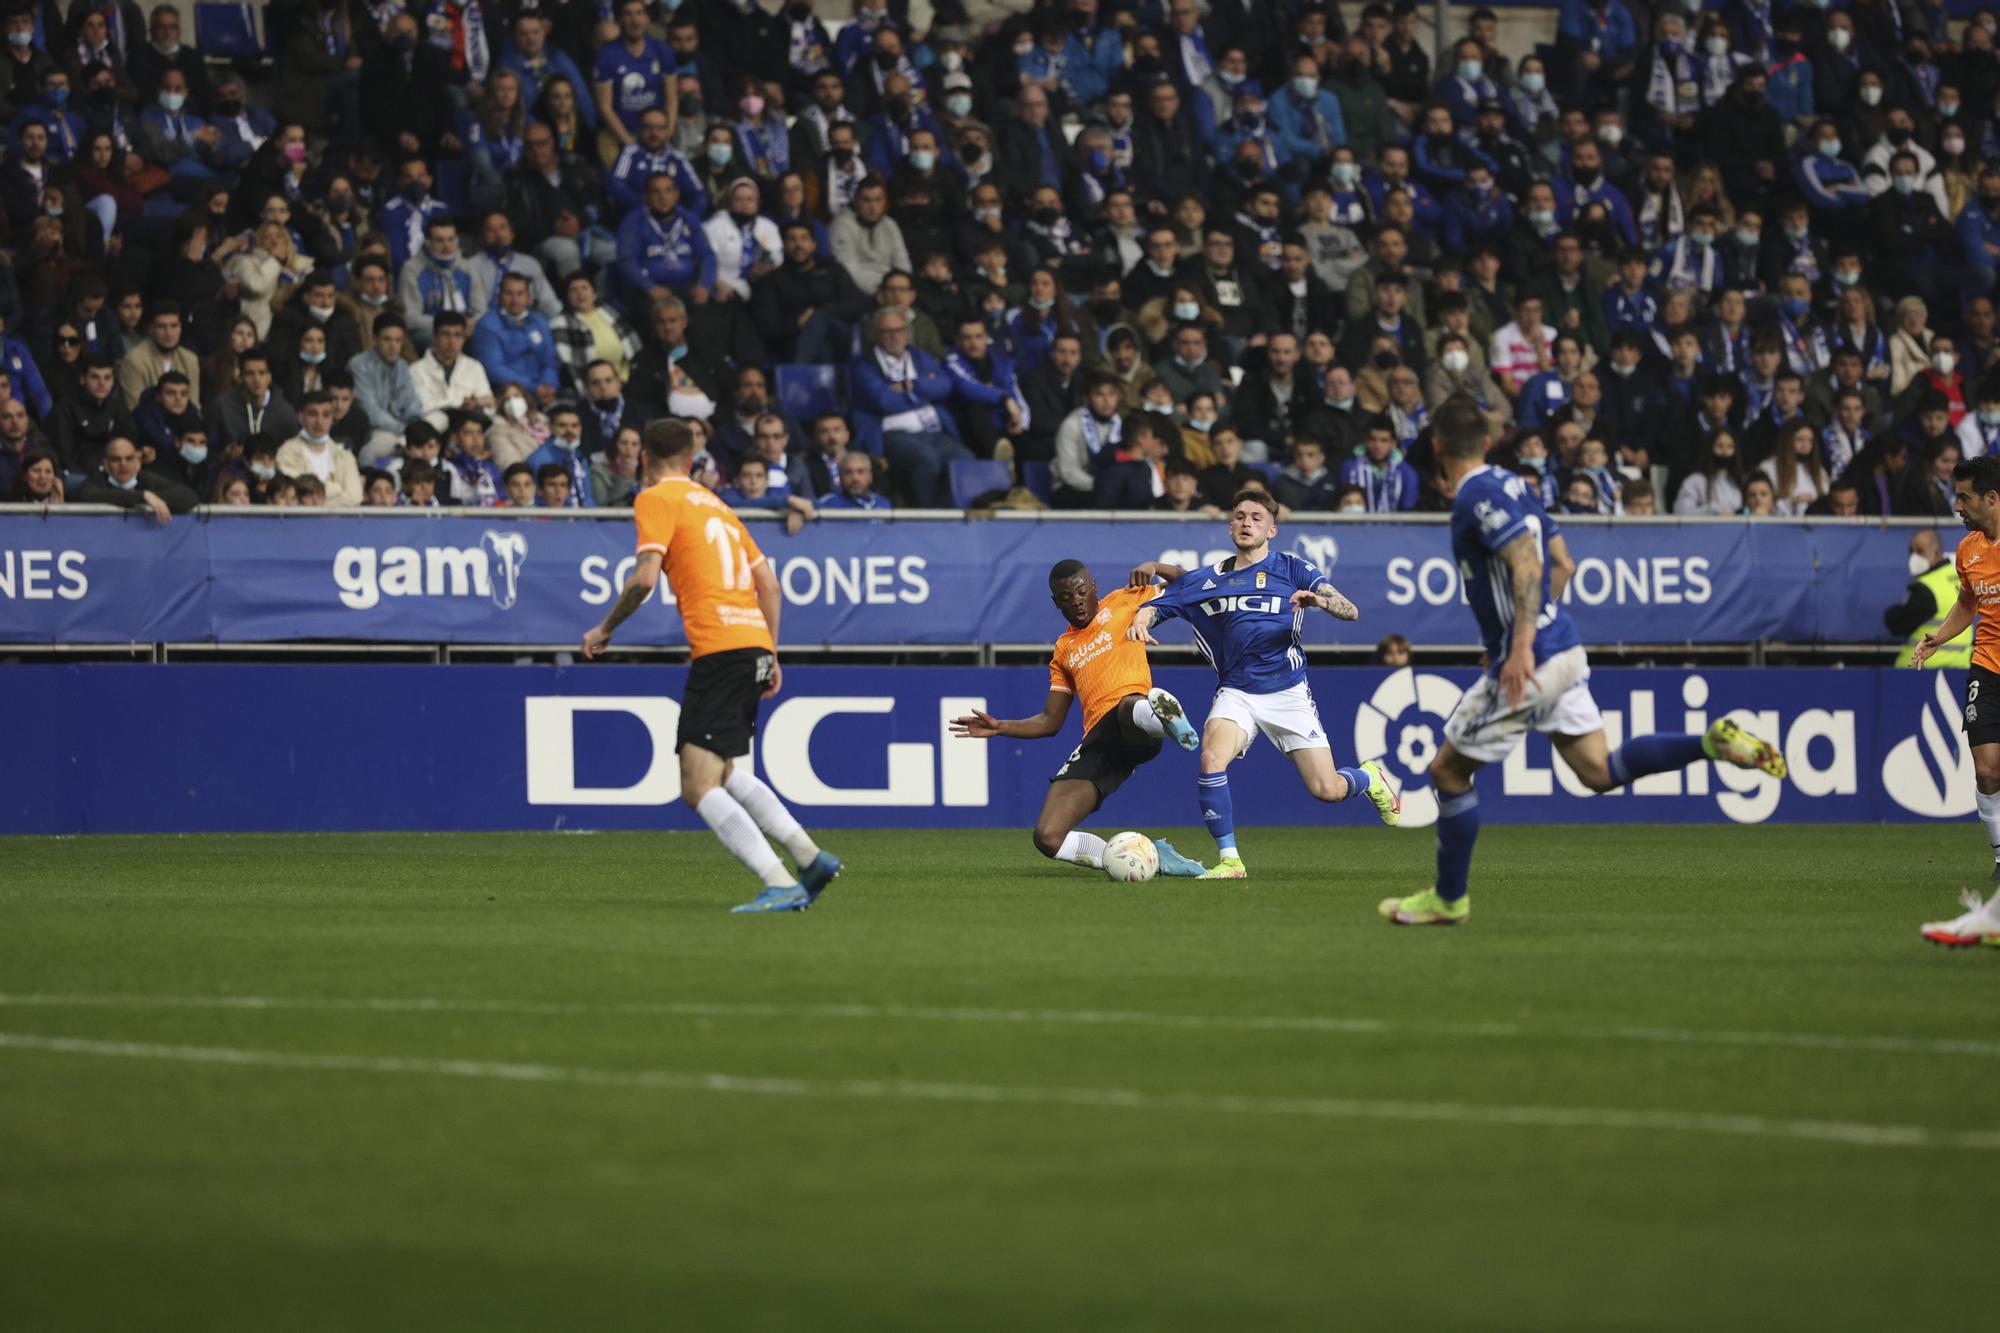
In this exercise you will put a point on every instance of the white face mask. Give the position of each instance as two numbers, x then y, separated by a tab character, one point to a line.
1872	94
1456	360
1918	565
128	485
316	441
1717	46
1943	362
1838	38
517	408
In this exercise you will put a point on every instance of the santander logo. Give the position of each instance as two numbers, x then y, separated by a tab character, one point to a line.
1930	774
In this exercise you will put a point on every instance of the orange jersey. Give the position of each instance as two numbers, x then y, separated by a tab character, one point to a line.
709	556
1979	574
1097	663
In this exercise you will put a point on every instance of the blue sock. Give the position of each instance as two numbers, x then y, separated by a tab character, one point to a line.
1458	829
1357	781
1212	790
1655	754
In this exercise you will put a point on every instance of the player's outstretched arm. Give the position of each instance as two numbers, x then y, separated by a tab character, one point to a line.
1328	599
1143	576
645	578
1955	623
1140	630
979	725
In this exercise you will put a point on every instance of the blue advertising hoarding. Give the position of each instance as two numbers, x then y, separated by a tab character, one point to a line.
149	749
475	579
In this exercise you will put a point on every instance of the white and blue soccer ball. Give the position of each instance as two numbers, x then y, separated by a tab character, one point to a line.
1131	858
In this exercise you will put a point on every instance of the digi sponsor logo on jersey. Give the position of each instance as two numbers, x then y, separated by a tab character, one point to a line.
1402	725
1259	603
364	575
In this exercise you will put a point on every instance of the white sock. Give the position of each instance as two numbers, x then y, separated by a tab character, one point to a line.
1084	849
1147	720
1989	815
732	824
762	804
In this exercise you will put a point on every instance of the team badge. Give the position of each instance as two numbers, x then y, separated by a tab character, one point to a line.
1260	580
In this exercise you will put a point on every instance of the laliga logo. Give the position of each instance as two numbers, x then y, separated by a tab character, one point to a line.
1935	778
1319	548
506	552
1402	724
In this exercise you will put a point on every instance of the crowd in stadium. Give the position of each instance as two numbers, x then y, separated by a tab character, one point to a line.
1095	255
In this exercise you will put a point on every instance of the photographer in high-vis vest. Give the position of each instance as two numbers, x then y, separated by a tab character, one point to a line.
1933	592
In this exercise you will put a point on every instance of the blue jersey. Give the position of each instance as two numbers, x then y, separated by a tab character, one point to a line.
636	81
1243	619
1493	508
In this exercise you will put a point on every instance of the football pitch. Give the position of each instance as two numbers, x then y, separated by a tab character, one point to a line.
1665	1079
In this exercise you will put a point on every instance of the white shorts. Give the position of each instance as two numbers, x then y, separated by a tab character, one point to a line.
1482	727
1288	717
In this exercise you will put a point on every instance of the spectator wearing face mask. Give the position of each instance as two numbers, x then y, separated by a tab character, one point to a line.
519	428
1453	372
314	452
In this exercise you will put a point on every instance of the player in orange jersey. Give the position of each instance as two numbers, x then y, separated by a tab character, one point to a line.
1124	717
729	602
1975	485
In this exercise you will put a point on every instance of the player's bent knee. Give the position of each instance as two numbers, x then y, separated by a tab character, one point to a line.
1446	778
1049	841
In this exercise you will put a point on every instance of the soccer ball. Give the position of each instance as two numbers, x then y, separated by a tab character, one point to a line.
1131	858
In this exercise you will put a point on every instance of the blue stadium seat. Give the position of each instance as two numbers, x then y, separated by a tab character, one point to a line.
1270	471
1039	479
974	477
228	31
452	175
806	391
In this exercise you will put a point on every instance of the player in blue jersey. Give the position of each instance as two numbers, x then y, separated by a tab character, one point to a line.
1247	613
1537	675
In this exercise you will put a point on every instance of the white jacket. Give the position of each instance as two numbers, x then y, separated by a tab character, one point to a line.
725	237
468	382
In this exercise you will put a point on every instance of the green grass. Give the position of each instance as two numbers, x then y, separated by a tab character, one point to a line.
149	1193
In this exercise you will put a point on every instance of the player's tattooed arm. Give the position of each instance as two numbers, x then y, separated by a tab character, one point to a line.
1328	599
1523	559
645	578
1143	576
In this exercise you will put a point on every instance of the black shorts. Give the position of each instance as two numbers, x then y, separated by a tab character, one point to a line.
1106	758
719	710
1982	706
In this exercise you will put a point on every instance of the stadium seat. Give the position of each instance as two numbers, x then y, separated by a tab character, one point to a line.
451	178
1270	471
228	31
974	477
1039	479
806	391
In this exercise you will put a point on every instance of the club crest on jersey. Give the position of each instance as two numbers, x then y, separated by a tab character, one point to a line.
1260	578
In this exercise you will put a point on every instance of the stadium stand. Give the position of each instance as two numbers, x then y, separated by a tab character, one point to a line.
1685	249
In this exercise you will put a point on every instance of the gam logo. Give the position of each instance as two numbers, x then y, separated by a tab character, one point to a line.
491	570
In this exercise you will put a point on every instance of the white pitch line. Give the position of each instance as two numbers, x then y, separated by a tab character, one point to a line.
1844	1133
1307	1023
